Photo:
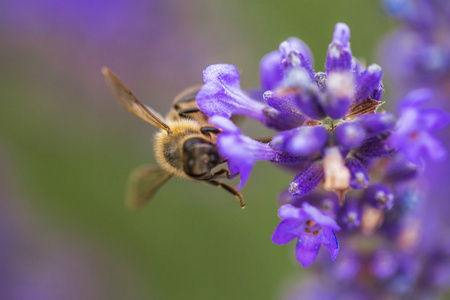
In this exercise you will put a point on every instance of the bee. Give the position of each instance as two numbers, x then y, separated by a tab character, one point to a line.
184	147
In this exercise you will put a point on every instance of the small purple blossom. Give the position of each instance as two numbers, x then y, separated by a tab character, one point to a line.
272	65
301	140
379	196
384	264
368	82
376	123
350	135
240	151
311	227
339	56
221	95
359	178
351	215
412	135
307	180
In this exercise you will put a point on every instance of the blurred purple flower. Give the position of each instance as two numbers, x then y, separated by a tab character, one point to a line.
412	135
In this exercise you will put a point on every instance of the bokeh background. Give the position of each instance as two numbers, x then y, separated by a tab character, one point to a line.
66	148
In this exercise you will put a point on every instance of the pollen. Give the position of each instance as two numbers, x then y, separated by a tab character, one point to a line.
310	223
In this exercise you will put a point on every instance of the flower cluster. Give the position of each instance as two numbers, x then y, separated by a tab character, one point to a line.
352	160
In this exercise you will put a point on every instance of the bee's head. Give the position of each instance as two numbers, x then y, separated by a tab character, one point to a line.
199	156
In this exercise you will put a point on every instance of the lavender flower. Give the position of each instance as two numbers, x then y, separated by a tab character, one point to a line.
333	138
311	227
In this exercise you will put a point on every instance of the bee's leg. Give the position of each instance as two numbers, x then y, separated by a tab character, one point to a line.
221	172
206	130
216	175
229	189
184	112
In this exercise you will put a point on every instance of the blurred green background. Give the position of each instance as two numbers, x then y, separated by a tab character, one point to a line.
66	148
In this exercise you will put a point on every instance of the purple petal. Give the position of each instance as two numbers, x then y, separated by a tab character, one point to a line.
309	103
401	169
341	34
295	44
351	214
308	97
317	216
287	230
281	121
433	148
376	123
285	114
384	264
221	95
288	211
330	241
225	74
356	68
336	107
307	180
409	120
307	249
375	146
339	57
224	124
358	174
292	52
281	103
417	98
328	203
339	95
239	160
301	140
377	93
271	70
368	82
240	151
434	118
350	135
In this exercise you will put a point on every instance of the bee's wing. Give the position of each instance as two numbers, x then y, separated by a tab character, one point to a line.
144	182
129	101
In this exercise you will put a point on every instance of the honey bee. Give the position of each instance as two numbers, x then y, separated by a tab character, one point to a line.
185	146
